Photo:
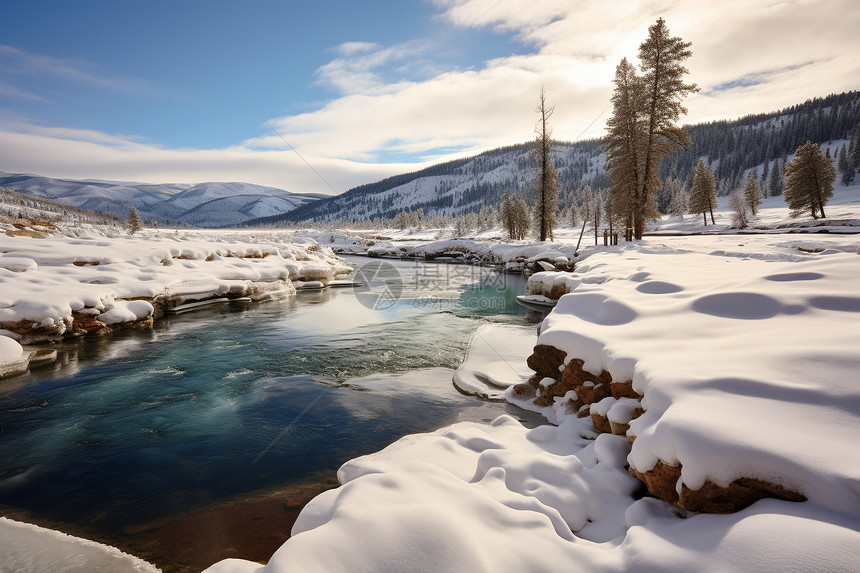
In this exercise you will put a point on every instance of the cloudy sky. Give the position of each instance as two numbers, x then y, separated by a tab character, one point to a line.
322	96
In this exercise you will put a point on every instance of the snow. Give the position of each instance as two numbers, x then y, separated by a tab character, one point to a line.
495	360
746	352
13	358
205	204
10	350
26	548
93	270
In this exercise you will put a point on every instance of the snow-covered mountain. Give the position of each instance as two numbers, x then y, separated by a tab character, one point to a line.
732	149
204	204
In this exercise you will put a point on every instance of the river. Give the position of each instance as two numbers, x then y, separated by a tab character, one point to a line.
241	400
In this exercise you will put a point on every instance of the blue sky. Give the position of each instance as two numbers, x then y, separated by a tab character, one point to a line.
198	73
181	91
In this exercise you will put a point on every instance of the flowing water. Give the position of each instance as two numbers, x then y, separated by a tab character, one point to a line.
223	402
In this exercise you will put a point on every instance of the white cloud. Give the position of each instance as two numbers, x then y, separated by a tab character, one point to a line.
18	63
352	48
748	57
89	154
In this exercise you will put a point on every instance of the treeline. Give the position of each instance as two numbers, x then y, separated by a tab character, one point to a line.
20	206
730	149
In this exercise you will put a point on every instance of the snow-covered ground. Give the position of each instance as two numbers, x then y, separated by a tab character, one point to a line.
48	283
746	350
26	547
492	247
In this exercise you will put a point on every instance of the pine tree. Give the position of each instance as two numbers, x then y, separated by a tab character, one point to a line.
547	179
845	169
134	222
855	142
776	180
624	140
507	214
764	174
521	216
752	194
809	181
661	57
703	193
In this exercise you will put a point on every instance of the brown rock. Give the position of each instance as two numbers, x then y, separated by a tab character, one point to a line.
618	429
557	291
570	377
546	359
524	389
601	424
710	498
591	394
584	412
660	481
84	324
741	493
624	390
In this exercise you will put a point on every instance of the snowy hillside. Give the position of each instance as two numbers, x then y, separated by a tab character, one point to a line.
205	204
732	149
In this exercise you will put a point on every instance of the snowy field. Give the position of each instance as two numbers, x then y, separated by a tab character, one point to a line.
746	350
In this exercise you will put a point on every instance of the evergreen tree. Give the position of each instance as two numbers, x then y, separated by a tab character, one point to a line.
703	193
808	181
855	142
776	180
515	216
764	174
845	169
521	216
547	179
507	214
661	58
624	140
134	222
752	194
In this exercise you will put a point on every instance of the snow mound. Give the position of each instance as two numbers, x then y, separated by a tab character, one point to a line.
26	548
13	358
495	360
502	498
744	363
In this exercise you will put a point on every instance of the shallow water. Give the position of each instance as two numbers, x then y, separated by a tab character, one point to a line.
242	398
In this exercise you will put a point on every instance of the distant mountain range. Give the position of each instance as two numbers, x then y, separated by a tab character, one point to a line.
758	144
202	205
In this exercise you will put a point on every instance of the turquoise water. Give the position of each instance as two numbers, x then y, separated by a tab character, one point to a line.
228	401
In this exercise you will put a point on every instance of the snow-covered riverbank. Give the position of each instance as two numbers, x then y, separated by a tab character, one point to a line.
78	281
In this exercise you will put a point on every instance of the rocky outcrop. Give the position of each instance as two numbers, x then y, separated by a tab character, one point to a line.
612	405
662	483
581	387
